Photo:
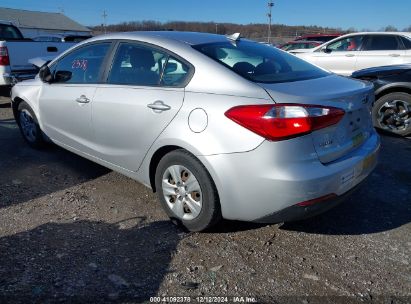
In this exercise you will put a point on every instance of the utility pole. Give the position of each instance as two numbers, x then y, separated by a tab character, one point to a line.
216	28
270	7
105	21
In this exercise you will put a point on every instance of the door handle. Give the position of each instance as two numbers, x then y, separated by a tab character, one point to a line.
158	106
83	99
394	55
349	55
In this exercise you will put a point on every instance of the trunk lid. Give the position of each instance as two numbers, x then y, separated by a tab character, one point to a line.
354	97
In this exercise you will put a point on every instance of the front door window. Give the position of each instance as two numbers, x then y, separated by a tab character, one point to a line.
348	44
82	65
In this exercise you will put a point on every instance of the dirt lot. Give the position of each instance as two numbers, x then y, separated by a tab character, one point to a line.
73	230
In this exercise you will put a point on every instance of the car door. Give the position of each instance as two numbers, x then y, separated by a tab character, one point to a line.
144	91
339	56
66	103
380	50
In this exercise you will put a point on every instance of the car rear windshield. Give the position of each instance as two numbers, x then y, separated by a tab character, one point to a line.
260	63
9	32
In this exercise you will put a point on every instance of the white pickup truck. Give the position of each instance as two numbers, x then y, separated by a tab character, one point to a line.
15	52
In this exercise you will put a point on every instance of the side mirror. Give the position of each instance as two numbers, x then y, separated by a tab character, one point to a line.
45	74
62	76
171	67
326	50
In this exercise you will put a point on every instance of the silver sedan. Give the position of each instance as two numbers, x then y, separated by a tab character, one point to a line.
219	126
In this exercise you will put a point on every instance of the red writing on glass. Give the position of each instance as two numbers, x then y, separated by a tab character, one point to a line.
79	64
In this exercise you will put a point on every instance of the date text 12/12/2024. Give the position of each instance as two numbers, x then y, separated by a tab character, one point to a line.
203	299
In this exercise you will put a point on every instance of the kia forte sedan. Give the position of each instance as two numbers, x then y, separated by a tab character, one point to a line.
218	126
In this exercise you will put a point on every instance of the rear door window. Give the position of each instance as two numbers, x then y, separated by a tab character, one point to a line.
383	43
175	72
9	32
406	42
142	65
137	65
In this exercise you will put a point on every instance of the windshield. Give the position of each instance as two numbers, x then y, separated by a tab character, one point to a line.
260	63
9	32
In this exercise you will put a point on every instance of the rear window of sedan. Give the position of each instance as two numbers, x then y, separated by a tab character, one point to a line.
260	63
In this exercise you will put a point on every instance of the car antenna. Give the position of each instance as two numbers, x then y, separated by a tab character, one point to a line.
234	37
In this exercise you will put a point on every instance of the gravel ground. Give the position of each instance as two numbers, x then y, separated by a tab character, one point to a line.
71	230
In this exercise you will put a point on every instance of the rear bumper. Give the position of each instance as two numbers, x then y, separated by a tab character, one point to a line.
14	77
296	212
259	184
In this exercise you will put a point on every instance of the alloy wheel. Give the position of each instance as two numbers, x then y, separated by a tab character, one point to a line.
395	115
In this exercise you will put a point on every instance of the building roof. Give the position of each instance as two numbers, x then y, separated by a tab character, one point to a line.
40	20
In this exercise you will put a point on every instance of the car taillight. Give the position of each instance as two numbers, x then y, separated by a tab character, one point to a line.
4	56
283	121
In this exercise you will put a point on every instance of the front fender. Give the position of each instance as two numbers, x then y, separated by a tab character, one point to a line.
29	94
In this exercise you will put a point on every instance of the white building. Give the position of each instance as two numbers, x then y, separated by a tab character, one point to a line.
33	24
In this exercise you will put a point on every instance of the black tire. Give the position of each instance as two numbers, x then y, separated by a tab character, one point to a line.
389	123
210	213
34	138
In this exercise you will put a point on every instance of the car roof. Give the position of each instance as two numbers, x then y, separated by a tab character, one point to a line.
407	34
321	35
305	41
191	38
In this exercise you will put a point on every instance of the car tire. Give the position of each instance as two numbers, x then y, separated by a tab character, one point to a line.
392	113
29	126
187	191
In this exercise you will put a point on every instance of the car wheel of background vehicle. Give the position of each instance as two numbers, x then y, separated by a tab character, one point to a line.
392	112
29	126
187	191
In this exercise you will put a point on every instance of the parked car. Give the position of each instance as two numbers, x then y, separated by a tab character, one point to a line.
218	127
296	45
62	38
15	51
353	52
392	108
318	37
267	43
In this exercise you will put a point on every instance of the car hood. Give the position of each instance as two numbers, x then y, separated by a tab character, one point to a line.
382	71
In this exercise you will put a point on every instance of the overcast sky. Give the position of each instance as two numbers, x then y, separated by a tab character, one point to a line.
361	14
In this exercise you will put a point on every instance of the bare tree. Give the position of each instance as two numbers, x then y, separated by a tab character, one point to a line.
390	28
256	31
